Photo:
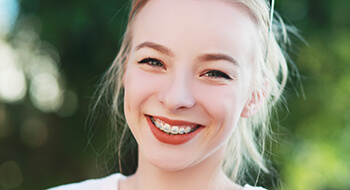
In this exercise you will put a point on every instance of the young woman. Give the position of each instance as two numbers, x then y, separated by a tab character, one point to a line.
197	79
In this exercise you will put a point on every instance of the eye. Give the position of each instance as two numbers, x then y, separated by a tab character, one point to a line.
152	62
216	74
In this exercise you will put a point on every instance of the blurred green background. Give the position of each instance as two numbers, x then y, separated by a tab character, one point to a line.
53	53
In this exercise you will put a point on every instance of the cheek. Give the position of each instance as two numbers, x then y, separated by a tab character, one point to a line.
138	89
223	103
139	86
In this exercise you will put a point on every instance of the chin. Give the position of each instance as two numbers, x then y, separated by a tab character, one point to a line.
170	160
170	166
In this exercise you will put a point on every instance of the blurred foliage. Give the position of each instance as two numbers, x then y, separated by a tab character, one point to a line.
82	39
314	150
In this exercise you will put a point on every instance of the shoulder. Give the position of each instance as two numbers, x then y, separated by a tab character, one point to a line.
106	183
248	187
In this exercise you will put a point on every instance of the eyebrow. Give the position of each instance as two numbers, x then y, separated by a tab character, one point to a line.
157	47
217	57
204	57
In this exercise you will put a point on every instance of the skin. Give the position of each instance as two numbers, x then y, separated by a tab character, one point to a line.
188	41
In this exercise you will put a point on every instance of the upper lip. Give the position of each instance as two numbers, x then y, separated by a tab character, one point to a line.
174	122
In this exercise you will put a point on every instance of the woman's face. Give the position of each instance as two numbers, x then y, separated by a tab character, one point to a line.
188	79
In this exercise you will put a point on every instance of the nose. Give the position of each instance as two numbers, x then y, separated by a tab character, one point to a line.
177	93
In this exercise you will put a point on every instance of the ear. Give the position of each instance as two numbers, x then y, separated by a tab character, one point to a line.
255	101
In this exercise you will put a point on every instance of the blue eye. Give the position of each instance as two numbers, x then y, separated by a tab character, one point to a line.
216	74
152	62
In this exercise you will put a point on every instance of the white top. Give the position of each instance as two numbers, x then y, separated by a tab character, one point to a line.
110	183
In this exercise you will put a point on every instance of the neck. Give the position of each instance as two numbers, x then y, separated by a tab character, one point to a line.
205	175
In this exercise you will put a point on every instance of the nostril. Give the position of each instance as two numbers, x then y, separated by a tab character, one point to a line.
177	92
173	100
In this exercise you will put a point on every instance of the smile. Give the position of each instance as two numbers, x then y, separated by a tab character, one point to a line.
174	130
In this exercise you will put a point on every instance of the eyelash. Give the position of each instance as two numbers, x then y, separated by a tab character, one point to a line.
216	74
153	62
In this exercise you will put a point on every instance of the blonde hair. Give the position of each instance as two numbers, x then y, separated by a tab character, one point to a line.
247	144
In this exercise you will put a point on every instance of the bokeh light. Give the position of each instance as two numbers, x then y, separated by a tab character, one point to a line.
12	85
45	92
12	80
10	175
33	64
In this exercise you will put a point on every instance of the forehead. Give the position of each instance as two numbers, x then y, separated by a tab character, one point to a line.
200	24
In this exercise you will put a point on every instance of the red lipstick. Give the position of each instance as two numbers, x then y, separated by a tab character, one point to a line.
172	139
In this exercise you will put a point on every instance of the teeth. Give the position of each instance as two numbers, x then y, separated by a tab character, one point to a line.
167	128
181	130
173	130
160	126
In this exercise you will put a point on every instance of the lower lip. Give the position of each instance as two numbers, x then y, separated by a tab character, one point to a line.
171	139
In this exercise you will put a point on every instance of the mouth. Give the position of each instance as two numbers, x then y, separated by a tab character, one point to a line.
173	132
174	129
